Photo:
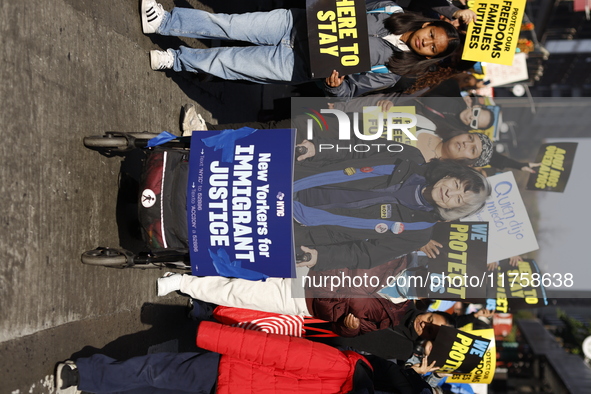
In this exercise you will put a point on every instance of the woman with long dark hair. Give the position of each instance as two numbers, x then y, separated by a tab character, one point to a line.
281	53
411	62
413	45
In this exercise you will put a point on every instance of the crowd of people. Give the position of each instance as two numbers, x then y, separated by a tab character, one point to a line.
384	337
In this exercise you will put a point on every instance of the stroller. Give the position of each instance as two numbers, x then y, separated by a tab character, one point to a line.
162	203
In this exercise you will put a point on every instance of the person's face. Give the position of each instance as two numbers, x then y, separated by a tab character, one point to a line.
424	321
448	193
428	41
461	147
476	117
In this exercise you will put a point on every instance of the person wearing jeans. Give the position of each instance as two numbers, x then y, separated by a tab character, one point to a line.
238	361
273	33
399	43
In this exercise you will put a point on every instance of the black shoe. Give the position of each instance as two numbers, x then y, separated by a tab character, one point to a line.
200	310
66	375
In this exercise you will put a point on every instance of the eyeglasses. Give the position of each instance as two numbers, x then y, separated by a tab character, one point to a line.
475	114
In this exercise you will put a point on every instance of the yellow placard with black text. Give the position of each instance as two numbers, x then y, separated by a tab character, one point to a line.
337	37
556	162
493	37
375	120
458	351
485	370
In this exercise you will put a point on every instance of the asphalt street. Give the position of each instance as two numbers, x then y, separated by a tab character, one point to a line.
72	68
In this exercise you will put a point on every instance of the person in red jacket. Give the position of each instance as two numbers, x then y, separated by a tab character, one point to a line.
239	361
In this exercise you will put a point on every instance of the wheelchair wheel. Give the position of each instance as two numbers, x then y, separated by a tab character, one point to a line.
144	135
106	141
106	257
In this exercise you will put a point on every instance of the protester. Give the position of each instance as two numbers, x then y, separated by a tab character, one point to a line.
243	361
471	149
410	37
350	231
398	341
457	115
403	43
351	310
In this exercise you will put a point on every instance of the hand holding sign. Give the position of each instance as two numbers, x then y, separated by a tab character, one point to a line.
530	167
431	249
465	16
514	260
424	367
484	313
334	80
555	161
385	105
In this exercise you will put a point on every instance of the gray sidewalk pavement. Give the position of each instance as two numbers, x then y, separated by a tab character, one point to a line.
72	68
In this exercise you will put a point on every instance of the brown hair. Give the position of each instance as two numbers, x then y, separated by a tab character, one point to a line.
432	79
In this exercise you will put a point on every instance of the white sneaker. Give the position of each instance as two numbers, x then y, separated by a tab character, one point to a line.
168	283
161	60
67	378
192	120
152	14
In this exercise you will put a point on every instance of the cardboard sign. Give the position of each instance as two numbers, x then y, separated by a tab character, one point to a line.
239	207
509	288
493	37
500	75
337	37
510	230
457	351
518	287
557	162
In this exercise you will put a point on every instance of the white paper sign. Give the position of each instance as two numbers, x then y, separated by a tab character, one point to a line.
500	75
510	231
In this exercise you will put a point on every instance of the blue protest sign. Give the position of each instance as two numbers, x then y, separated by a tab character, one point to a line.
239	203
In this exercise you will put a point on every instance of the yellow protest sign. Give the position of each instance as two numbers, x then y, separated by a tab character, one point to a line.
485	370
557	160
374	120
493	37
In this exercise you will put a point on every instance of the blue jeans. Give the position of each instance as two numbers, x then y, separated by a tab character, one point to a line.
155	373
271	60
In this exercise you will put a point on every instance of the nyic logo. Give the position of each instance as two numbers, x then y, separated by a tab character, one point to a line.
394	121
